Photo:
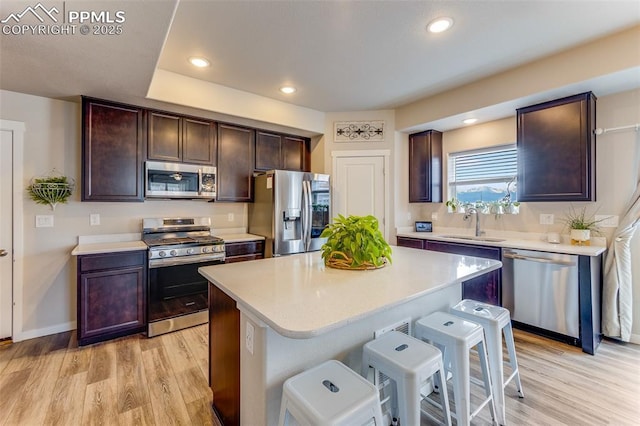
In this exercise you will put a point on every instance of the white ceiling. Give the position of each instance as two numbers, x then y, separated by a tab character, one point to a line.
341	55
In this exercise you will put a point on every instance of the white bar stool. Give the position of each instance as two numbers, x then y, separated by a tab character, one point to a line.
330	394
456	337
409	363
495	320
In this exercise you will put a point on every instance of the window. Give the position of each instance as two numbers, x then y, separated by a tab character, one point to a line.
483	175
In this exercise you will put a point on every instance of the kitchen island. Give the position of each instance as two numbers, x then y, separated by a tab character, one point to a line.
273	318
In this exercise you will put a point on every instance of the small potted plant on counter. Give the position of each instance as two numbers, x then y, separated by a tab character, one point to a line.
355	242
454	206
581	226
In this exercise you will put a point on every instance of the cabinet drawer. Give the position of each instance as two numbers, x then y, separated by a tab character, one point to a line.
94	262
244	248
468	250
411	242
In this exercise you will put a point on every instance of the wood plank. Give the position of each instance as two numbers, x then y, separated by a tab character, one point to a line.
102	365
132	384
36	395
193	384
166	399
139	416
201	413
100	402
178	351
67	400
11	385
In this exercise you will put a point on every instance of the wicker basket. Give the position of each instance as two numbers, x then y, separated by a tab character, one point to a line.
340	260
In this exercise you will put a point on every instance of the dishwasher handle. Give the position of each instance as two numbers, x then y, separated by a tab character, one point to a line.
516	256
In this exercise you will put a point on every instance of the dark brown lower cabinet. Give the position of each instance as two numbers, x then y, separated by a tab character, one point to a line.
485	288
111	295
242	251
224	356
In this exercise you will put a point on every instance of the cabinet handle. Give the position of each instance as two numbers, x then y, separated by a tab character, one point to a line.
3	252
189	303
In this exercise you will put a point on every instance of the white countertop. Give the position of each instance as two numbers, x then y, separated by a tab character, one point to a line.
509	242
300	298
238	238
94	244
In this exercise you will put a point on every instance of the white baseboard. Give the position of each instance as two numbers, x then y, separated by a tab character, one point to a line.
635	338
32	334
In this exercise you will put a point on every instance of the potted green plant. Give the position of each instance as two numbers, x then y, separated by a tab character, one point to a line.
454	206
355	242
51	190
581	226
513	207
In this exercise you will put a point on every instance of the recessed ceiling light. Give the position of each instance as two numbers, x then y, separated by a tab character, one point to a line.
288	89
199	62
469	120
439	25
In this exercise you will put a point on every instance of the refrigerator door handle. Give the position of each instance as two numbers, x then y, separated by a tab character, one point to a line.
306	218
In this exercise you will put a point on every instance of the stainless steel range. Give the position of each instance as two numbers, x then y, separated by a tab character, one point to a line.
178	294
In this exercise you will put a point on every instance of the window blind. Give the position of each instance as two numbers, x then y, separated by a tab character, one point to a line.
474	166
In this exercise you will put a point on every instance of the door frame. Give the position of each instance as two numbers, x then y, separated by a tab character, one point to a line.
17	128
386	154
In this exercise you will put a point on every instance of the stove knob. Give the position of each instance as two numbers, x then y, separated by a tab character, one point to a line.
173	253
162	254
205	249
190	251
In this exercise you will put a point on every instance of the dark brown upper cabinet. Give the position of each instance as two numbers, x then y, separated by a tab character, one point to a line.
425	167
236	162
113	142
556	150
181	139
277	151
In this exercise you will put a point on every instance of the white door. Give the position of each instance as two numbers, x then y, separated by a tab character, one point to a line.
6	232
359	187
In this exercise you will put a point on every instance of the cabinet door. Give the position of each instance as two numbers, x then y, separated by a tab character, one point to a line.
293	153
198	143
425	167
235	163
268	151
111	303
556	150
224	355
485	288
112	151
164	142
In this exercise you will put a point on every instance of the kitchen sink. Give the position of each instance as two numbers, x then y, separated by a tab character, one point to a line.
468	237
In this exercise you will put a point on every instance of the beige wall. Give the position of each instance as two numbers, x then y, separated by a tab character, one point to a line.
52	140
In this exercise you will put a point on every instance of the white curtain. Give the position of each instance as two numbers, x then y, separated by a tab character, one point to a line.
617	297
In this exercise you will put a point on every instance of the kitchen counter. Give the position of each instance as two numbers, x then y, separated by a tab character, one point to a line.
95	244
509	242
301	298
293	313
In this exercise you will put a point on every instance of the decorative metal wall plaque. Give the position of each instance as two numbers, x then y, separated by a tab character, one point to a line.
359	131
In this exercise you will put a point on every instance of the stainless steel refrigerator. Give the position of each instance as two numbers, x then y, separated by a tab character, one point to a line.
290	209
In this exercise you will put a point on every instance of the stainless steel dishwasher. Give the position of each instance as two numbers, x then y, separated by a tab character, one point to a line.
541	290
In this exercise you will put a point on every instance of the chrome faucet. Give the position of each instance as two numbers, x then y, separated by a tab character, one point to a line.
474	211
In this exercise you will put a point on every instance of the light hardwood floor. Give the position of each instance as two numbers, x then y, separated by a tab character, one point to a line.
163	381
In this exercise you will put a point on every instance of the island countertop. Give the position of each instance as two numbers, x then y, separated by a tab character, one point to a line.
300	298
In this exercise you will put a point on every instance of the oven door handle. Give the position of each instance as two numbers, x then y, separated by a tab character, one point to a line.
161	263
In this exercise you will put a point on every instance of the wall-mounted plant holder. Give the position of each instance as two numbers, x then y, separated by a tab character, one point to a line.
52	189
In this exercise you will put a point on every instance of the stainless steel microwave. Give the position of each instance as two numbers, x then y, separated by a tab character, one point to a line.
178	180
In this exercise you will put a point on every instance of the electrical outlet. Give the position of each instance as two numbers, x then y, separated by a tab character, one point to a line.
94	219
408	215
230	217
546	219
607	221
44	221
434	216
249	335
